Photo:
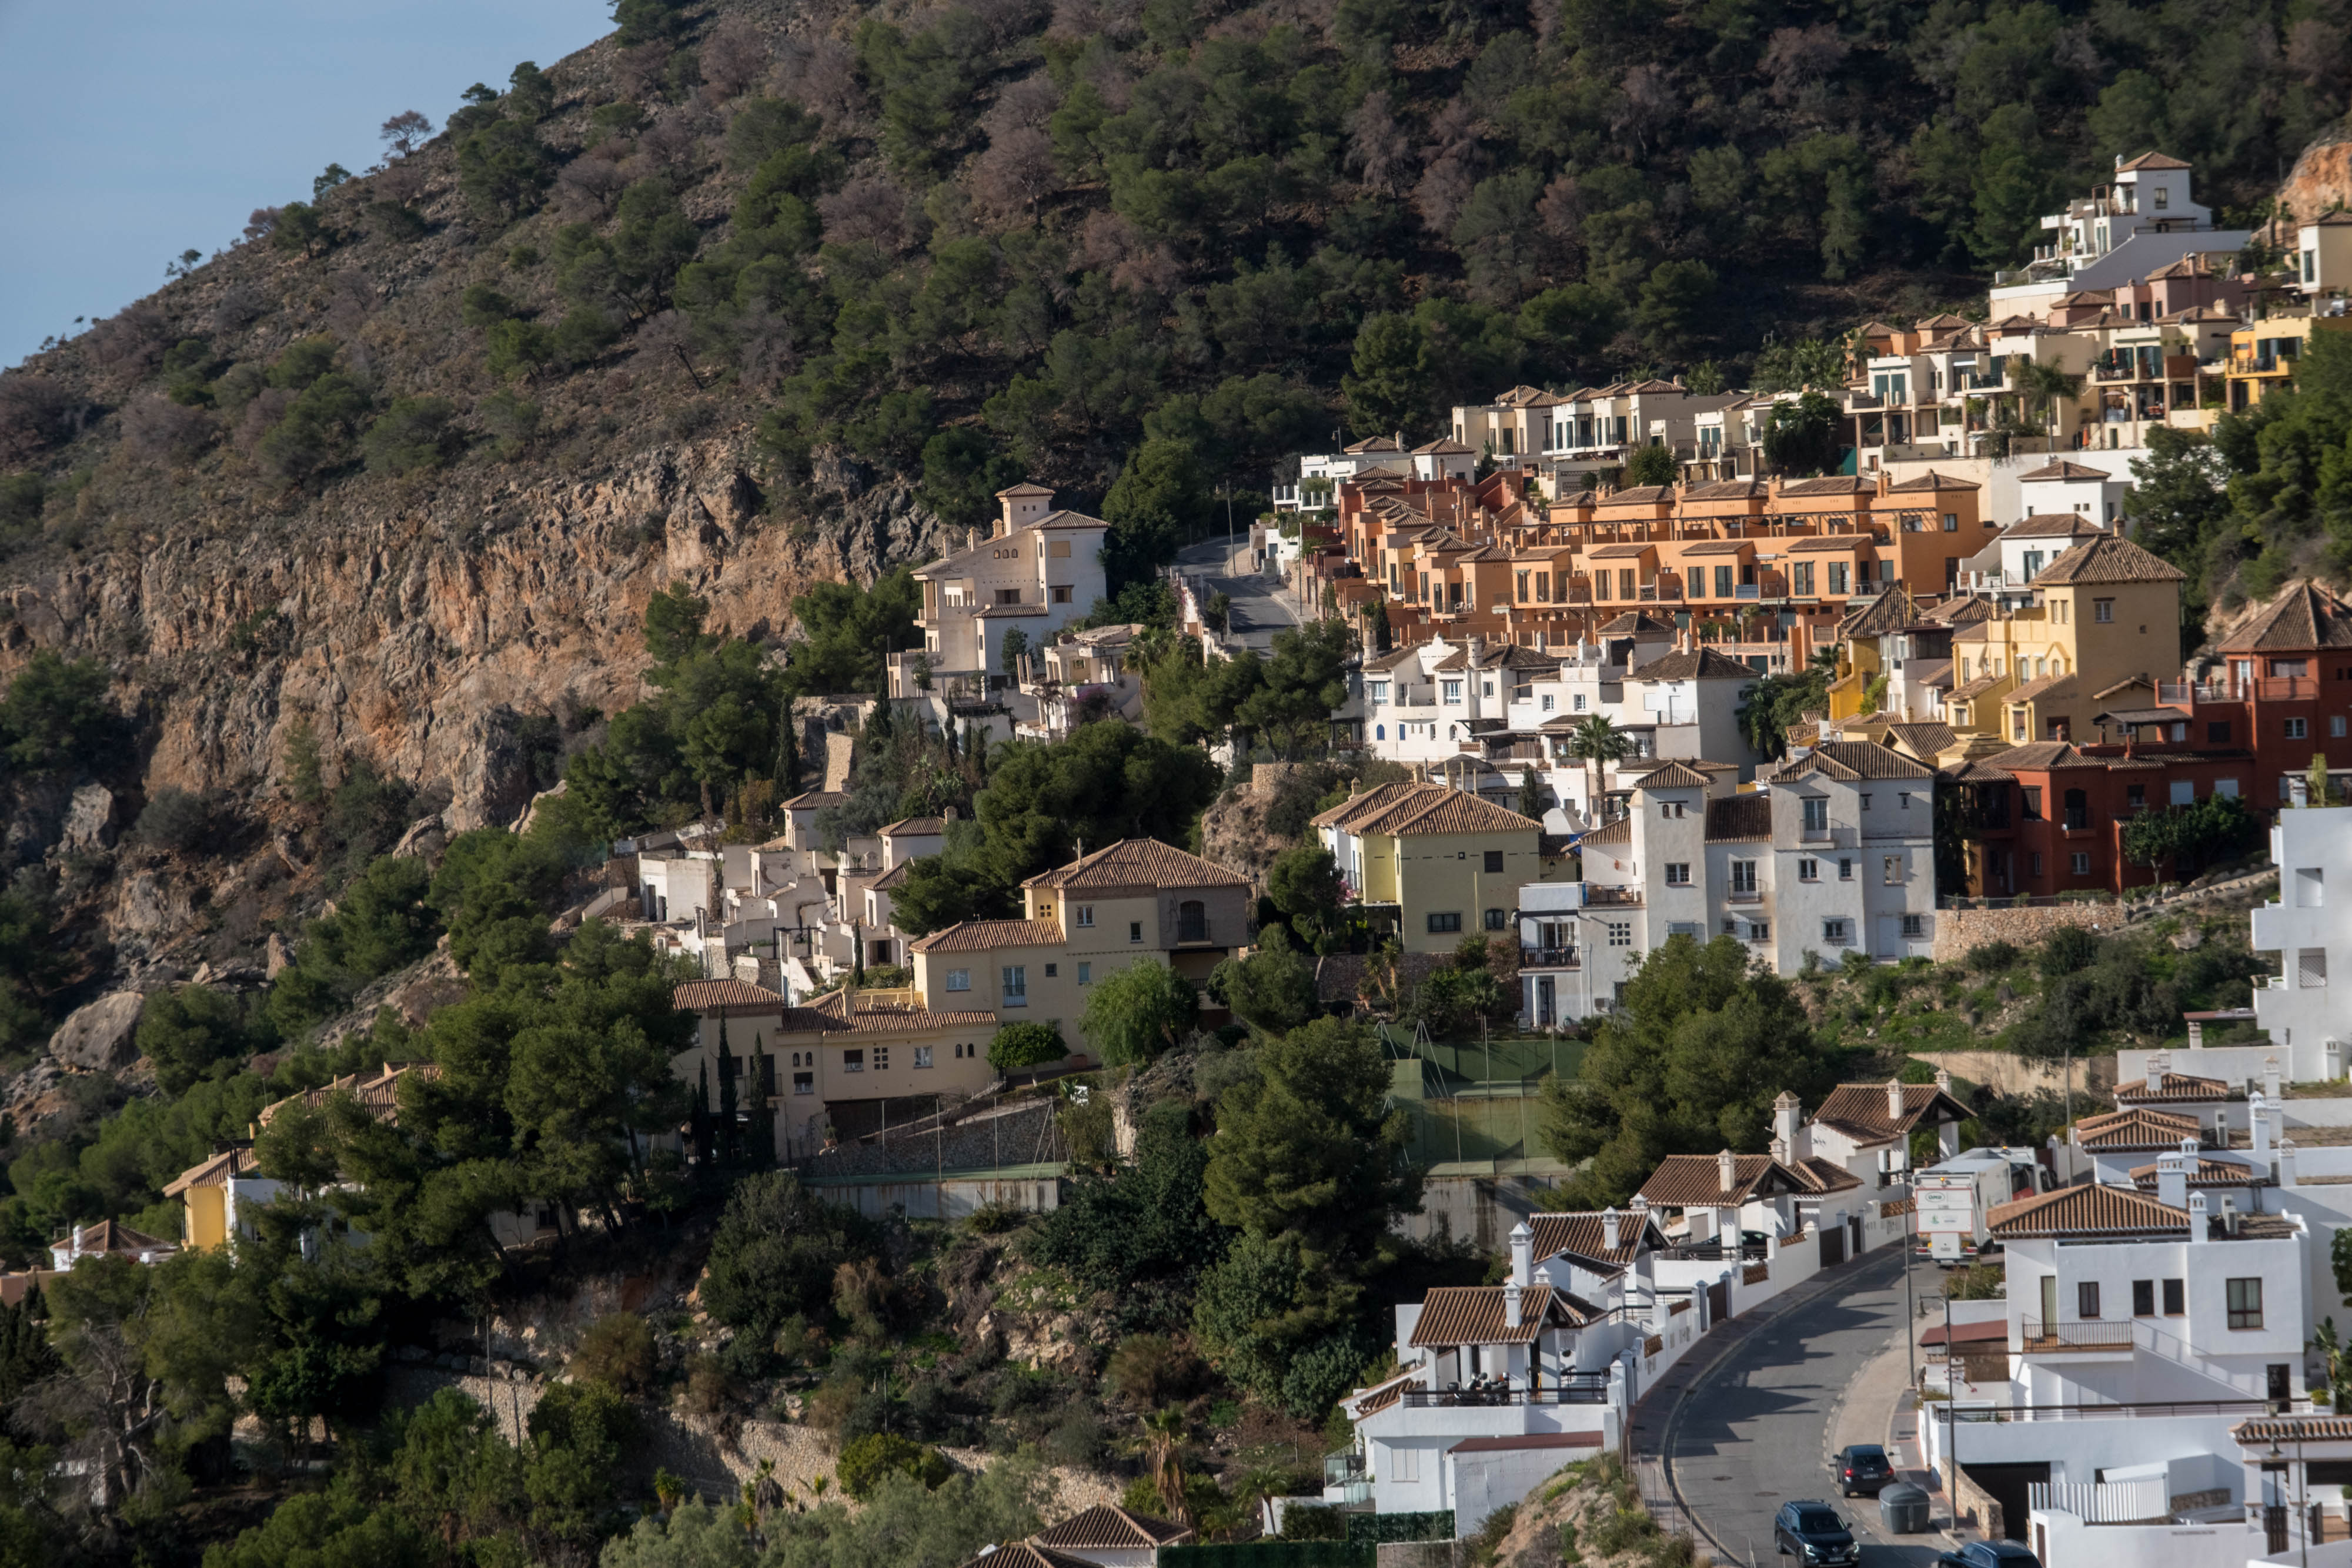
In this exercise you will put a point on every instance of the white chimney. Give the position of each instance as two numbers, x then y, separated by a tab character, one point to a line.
2197	1231
2270	1078
2286	1161
2172	1180
1511	1303
1944	1079
1608	1232
2258	1122
1523	1255
1786	1111
1894	1100
2220	1129
1727	1169
2158	1063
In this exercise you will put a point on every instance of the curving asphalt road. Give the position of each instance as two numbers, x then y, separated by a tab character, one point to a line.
1755	1428
1260	609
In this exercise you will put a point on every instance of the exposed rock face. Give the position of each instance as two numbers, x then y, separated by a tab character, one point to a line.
97	1038
2321	178
427	636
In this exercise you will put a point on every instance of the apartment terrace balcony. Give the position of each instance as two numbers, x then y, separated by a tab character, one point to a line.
2259	689
2038	1338
1611	898
1748	895
1574	1388
1551	957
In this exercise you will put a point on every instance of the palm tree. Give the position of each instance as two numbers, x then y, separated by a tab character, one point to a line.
2044	384
1595	741
1163	1454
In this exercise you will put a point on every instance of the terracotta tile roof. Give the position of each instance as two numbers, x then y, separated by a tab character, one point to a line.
2083	1211
1634	623
376	1093
217	1171
1925	740
1473	1314
914	827
2177	1087
1850	760
870	1018
1628	552
1364	807
703	995
2050	525
2110	558
2205	1172
1836	485
1826	1175
2043	757
1639	496
1138	863
1692	664
1696	1181
1585	1236
1931	480
1027	1554
1861	1111
1739	818
984	936
1967	610
2039	687
1720	546
1106	1527
893	879
113	1236
1824	544
1880	617
812	799
1435	809
1445	446
2137	1128
2151	160
1727	490
1673	776
1619	832
2264	1431
2307	616
1976	772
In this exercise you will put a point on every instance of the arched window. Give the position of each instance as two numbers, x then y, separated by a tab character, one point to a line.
1191	921
1379	732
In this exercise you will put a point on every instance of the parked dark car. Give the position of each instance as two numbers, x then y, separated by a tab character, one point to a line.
1990	1554
1813	1532
1862	1467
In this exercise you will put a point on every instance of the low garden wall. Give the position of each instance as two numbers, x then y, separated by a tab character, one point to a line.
1958	930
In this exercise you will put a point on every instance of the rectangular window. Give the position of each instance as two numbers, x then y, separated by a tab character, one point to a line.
2310	968
1052	970
1496	919
1837	933
1547	704
1723	582
1135	930
2176	1298
1061	595
1494	860
2336	725
1743	876
1454	691
1865	802
923	1055
1016	985
1439	924
852	1061
2087	1299
1404	1464
1837	577
2080	862
1677	874
803	1082
1951	522
1085	974
1914	928
881	1059
2182	792
2033	802
1817	813
1846	870
1620	933
1891	869
1086	915
2102	610
2217	731
959	979
1626	582
1580	703
2245	1302
2296	728
1801	579
2037	862
2143	1298
1809	871
1697	576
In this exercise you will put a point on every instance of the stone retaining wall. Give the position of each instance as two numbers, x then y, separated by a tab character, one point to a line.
1018	1135
2013	1074
1958	930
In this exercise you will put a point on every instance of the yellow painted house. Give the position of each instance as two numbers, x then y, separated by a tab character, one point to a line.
2105	616
1434	863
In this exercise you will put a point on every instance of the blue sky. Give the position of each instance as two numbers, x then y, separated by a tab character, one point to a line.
132	130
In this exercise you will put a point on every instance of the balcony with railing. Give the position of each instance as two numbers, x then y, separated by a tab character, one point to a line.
2037	1338
1570	1388
1744	895
1347	1473
1620	897
1551	957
